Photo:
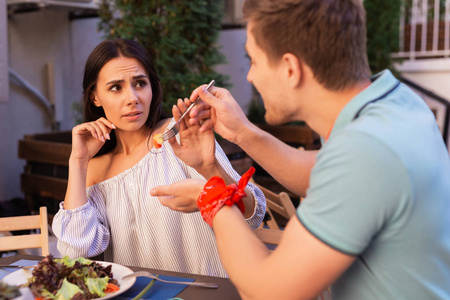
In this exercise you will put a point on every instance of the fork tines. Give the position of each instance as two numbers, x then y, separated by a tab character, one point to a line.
170	133
176	128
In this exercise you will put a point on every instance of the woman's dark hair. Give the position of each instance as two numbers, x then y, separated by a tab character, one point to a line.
103	53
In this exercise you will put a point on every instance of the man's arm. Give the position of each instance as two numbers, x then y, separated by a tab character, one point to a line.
288	165
220	111
199	152
299	268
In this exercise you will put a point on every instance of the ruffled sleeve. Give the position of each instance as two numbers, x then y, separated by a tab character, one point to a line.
81	232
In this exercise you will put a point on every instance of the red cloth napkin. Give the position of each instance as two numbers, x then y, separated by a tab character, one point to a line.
216	194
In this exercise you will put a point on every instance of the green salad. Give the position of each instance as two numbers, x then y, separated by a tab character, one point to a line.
71	279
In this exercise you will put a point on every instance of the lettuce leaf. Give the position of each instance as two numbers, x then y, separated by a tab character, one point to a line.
67	290
71	262
97	285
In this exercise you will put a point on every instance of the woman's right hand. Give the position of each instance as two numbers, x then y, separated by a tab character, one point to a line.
89	137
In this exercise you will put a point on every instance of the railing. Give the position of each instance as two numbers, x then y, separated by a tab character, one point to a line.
424	29
437	98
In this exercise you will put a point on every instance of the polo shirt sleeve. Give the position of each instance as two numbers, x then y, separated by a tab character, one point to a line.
358	185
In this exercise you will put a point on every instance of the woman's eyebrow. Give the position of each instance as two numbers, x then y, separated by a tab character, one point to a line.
139	76
115	81
121	80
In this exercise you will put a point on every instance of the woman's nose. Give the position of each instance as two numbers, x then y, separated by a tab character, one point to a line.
132	97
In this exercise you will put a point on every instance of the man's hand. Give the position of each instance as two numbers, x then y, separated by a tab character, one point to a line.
220	111
180	196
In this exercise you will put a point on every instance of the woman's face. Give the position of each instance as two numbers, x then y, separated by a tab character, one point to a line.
123	90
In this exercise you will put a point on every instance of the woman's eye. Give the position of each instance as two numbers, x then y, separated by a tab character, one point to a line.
115	88
141	83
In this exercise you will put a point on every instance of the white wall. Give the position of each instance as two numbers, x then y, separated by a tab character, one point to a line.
36	38
232	42
433	75
4	83
84	38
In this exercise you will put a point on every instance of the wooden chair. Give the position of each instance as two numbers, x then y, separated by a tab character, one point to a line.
283	206
280	203
25	241
269	236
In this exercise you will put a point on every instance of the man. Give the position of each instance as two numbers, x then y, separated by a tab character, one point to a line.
375	222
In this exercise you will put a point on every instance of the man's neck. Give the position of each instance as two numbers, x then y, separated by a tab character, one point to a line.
324	106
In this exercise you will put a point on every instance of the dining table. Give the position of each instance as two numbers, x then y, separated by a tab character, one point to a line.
225	291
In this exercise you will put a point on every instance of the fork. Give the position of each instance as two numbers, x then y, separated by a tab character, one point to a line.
170	133
16	267
150	275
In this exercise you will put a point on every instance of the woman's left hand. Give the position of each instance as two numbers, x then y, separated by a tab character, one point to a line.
196	149
180	196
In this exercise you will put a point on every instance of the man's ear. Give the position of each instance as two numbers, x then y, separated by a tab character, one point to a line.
293	69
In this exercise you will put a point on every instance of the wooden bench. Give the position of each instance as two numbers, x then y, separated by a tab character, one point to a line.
44	179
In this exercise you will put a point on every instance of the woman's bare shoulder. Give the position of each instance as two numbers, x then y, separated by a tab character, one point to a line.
162	125
97	169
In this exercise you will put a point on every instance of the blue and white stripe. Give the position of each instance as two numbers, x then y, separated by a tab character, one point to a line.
132	228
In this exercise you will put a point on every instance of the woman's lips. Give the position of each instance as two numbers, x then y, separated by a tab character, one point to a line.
132	115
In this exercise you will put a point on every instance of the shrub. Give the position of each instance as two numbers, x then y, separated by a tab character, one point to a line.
180	35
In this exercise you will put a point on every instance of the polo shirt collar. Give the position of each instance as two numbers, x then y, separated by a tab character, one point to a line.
382	83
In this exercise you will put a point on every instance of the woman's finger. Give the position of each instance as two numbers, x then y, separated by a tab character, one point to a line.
85	128
100	130
107	123
182	107
105	128
177	114
176	111
187	103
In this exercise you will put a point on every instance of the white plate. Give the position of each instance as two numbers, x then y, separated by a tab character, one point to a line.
21	276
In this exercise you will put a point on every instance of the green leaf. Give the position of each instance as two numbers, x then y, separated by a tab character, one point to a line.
67	291
71	262
97	285
181	37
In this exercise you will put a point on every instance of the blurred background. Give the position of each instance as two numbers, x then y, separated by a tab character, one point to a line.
44	45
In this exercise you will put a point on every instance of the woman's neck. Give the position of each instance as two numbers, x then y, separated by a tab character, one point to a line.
130	142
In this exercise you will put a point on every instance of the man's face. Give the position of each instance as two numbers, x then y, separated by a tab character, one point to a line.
267	80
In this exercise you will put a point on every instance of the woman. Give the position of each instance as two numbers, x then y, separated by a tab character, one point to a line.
112	167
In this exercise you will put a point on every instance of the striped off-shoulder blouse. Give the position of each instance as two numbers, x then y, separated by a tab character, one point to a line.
132	228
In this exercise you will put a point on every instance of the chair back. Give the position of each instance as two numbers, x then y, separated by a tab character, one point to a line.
25	241
279	203
269	236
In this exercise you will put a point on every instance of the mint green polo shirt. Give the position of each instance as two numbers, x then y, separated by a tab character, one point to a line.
380	190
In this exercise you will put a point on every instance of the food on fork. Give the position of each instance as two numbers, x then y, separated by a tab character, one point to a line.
66	279
157	140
